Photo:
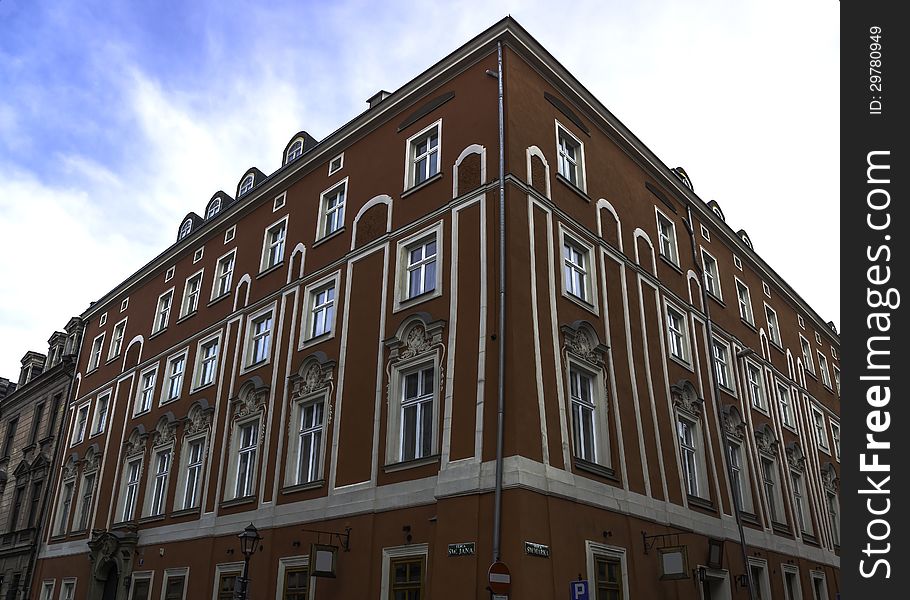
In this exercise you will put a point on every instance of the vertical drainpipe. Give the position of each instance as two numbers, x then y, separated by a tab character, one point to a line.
500	421
709	326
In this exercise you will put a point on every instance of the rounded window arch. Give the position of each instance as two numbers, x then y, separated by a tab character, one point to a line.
214	208
247	184
185	229
295	151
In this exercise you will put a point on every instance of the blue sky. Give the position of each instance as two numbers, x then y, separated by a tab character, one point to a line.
118	118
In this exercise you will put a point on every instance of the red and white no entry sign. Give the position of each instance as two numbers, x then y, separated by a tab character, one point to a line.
500	578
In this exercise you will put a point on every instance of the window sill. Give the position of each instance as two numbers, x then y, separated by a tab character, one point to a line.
409	464
238	501
789	427
254	366
328	237
302	487
749	324
157	333
318	339
202	387
164	402
111	359
762	409
699	502
716	298
726	389
581	302
421	185
562	178
682	362
776	346
750	518
414	300
93	369
218	299
781	528
810	538
186	316
152	518
271	269
671	264
812	374
78	532
96	434
597	469
186	512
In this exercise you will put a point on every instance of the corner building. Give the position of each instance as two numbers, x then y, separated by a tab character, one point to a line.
321	352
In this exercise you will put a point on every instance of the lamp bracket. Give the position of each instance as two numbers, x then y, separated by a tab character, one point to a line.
344	539
665	539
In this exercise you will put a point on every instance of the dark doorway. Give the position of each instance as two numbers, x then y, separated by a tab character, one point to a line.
110	583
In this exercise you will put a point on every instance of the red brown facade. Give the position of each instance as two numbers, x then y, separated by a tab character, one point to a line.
321	352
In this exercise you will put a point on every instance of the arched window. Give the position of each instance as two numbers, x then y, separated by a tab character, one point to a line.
247	184
214	208
185	229
295	151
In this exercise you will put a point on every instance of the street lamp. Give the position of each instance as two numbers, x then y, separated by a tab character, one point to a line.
249	540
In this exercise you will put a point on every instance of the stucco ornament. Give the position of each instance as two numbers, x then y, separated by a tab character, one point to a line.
198	420
685	399
795	458
165	433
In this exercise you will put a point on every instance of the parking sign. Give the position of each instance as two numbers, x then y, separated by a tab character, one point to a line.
579	590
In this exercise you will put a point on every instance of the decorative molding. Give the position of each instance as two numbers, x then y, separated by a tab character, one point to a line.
581	341
416	337
685	399
796	460
70	467
165	432
766	442
734	427
313	376
830	480
198	420
92	461
135	444
250	400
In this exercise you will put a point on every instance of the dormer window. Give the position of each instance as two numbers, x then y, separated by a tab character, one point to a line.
214	208
294	152
246	185
185	229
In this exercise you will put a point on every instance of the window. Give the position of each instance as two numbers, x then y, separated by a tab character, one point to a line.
81	423
581	393
169	274
331	212
47	589
740	476
214	208
712	277
417	413
194	456
570	152
248	438
66	503
174	584
246	185
163	312
835	438
227	585
185	229
260	337
406	578
158	483
146	390
819	585
295	151
833	516
423	155
666	234
807	354
688	451
103	320
773	329
745	302
85	501
321	310
37	416
818	423
755	385
677	335
131	488
607	577
197	255
786	407
117	340
767	290
95	357
102	405
206	362
771	487
421	268
575	267
833	353
336	164
295	583
273	245
10	438
18	496
760	579
722	365
191	294
737	262
818	338
799	507
279	201
229	233
837	379
68	590
309	441
224	272
823	370
175	369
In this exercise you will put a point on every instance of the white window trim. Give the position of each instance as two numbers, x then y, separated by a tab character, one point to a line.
230	489
591	278
137	409
401	301
823	370
180	491
229	233
720	289
579	164
93	362
750	318
616	552
601	425
803	352
776	502
47	589
198	254
705	233
819	575
248	342
170	311
124	304
674	251
87	405
263	261
306	321
93	431
805	513
60	520
323	197
341	165
110	352
686	359
763	407
294	562
152	475
822	442
166	382
395	427
197	367
245	189
124	480
141	575
778	385
183	312
175	572
216	277
169	274
63	583
225	569
293	455
103	320
730	386
279	202
766	289
737	262
287	155
409	173
409	551
776	329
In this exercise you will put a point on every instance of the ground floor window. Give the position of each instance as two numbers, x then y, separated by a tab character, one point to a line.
606	571
406	576
296	583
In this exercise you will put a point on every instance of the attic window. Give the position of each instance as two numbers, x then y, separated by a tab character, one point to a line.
214	208
185	229
246	185
295	151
